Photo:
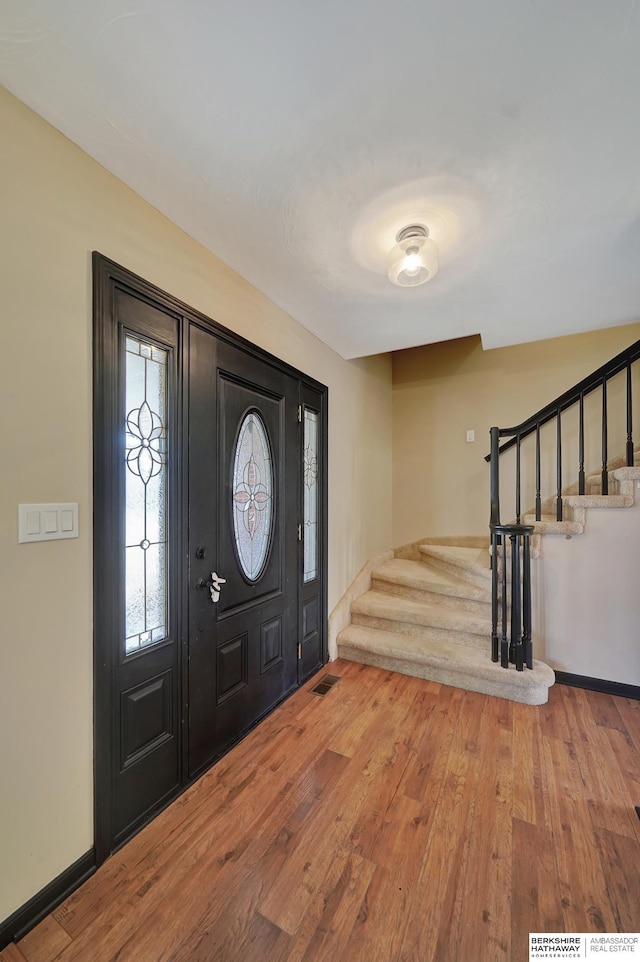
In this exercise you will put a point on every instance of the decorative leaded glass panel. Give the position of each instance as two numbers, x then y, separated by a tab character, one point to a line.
252	493
146	494
310	468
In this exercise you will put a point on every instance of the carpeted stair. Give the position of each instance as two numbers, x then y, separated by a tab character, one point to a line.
622	488
432	618
428	611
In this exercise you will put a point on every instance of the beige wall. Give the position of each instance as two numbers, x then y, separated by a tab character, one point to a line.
59	205
591	632
440	482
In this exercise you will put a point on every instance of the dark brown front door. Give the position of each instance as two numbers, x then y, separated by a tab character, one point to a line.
209	532
243	542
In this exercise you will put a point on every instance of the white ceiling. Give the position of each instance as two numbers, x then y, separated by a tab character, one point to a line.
293	138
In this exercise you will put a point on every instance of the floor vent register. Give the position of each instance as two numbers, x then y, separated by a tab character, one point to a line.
325	684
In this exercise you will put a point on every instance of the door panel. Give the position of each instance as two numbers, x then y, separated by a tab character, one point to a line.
144	572
242	648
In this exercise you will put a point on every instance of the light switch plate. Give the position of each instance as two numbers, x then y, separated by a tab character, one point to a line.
47	522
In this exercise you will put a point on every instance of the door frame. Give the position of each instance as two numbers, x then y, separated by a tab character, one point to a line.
108	277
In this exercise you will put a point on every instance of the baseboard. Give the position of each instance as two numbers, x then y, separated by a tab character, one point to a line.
46	900
598	684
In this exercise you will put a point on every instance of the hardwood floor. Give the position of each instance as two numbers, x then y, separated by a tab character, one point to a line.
394	819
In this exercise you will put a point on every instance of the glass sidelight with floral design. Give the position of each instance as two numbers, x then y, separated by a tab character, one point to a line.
310	476
252	494
146	494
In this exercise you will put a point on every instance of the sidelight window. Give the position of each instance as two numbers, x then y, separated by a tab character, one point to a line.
146	554
310	469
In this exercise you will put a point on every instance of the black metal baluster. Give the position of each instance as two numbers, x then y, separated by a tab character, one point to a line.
495	538
504	644
516	603
559	468
605	470
538	501
518	486
513	630
526	600
581	479
629	419
494	596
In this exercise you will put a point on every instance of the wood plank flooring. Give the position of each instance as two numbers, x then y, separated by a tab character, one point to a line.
394	820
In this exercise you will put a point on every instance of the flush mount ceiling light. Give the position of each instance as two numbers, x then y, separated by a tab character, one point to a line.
414	258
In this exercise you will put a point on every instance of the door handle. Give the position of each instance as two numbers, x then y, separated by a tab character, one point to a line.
213	584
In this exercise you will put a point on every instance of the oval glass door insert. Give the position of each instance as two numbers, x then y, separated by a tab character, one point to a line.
252	493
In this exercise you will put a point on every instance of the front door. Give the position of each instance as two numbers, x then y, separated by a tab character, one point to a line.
244	454
209	534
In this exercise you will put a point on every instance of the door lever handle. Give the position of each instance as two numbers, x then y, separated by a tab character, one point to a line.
213	584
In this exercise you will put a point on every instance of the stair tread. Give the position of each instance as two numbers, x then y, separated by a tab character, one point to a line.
627	472
476	559
551	526
415	574
377	604
458	658
599	500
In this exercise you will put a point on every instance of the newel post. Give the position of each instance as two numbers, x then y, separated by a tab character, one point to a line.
494	520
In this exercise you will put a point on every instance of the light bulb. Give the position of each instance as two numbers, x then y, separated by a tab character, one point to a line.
412	263
414	259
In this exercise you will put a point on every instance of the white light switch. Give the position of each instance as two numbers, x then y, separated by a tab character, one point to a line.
47	522
471	436
33	522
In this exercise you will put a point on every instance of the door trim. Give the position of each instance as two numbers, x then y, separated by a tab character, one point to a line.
108	277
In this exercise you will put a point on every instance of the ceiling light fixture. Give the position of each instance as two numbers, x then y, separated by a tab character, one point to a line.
414	258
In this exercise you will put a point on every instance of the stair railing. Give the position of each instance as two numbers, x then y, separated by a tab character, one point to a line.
511	636
511	640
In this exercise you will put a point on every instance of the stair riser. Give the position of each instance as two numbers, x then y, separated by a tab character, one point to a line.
453	636
596	487
620	489
617	489
482	608
459	679
457	571
594	481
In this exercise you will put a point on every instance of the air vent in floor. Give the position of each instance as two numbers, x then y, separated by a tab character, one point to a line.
325	684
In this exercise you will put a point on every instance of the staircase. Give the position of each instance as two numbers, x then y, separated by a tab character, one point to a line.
428	611
430	616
